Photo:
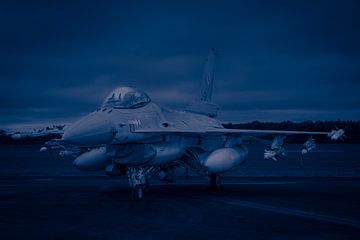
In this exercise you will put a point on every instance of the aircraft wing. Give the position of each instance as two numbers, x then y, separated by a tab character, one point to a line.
264	132
334	134
227	131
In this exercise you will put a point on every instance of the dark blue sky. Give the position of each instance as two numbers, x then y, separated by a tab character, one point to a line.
284	60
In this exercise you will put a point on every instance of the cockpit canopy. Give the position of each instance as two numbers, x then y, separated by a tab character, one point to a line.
126	98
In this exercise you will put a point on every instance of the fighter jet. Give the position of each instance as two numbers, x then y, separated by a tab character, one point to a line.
130	135
54	131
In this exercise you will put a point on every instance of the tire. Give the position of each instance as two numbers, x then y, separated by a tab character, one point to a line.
215	183
138	192
146	186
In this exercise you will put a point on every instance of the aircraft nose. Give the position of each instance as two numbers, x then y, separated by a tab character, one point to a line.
90	130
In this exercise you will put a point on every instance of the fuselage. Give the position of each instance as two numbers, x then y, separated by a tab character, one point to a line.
130	130
116	126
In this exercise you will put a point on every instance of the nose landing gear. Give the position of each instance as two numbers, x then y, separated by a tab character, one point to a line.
138	192
138	178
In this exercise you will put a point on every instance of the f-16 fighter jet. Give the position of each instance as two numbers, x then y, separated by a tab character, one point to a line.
130	135
55	131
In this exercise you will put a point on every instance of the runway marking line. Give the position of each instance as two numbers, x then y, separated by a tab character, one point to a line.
292	212
44	179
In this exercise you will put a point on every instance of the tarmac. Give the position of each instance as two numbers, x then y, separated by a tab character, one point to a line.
39	203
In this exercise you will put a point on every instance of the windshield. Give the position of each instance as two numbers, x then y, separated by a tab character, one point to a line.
126	98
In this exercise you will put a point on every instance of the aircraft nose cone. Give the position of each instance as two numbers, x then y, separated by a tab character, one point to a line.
90	130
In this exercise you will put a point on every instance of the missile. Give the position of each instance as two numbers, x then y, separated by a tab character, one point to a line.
43	149
308	146
337	134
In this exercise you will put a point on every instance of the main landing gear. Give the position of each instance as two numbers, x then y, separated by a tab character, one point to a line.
215	183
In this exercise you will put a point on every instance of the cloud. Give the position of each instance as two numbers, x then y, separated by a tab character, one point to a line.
59	60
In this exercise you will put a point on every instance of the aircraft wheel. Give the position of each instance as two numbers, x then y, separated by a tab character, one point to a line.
215	183
138	192
146	186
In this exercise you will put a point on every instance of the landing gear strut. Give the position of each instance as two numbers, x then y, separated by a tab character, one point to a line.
215	183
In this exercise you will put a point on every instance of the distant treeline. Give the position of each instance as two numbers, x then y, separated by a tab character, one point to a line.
352	128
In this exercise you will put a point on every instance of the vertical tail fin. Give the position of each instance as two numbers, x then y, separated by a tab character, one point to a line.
208	77
205	105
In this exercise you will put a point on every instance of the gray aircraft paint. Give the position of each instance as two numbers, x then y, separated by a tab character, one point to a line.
131	135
